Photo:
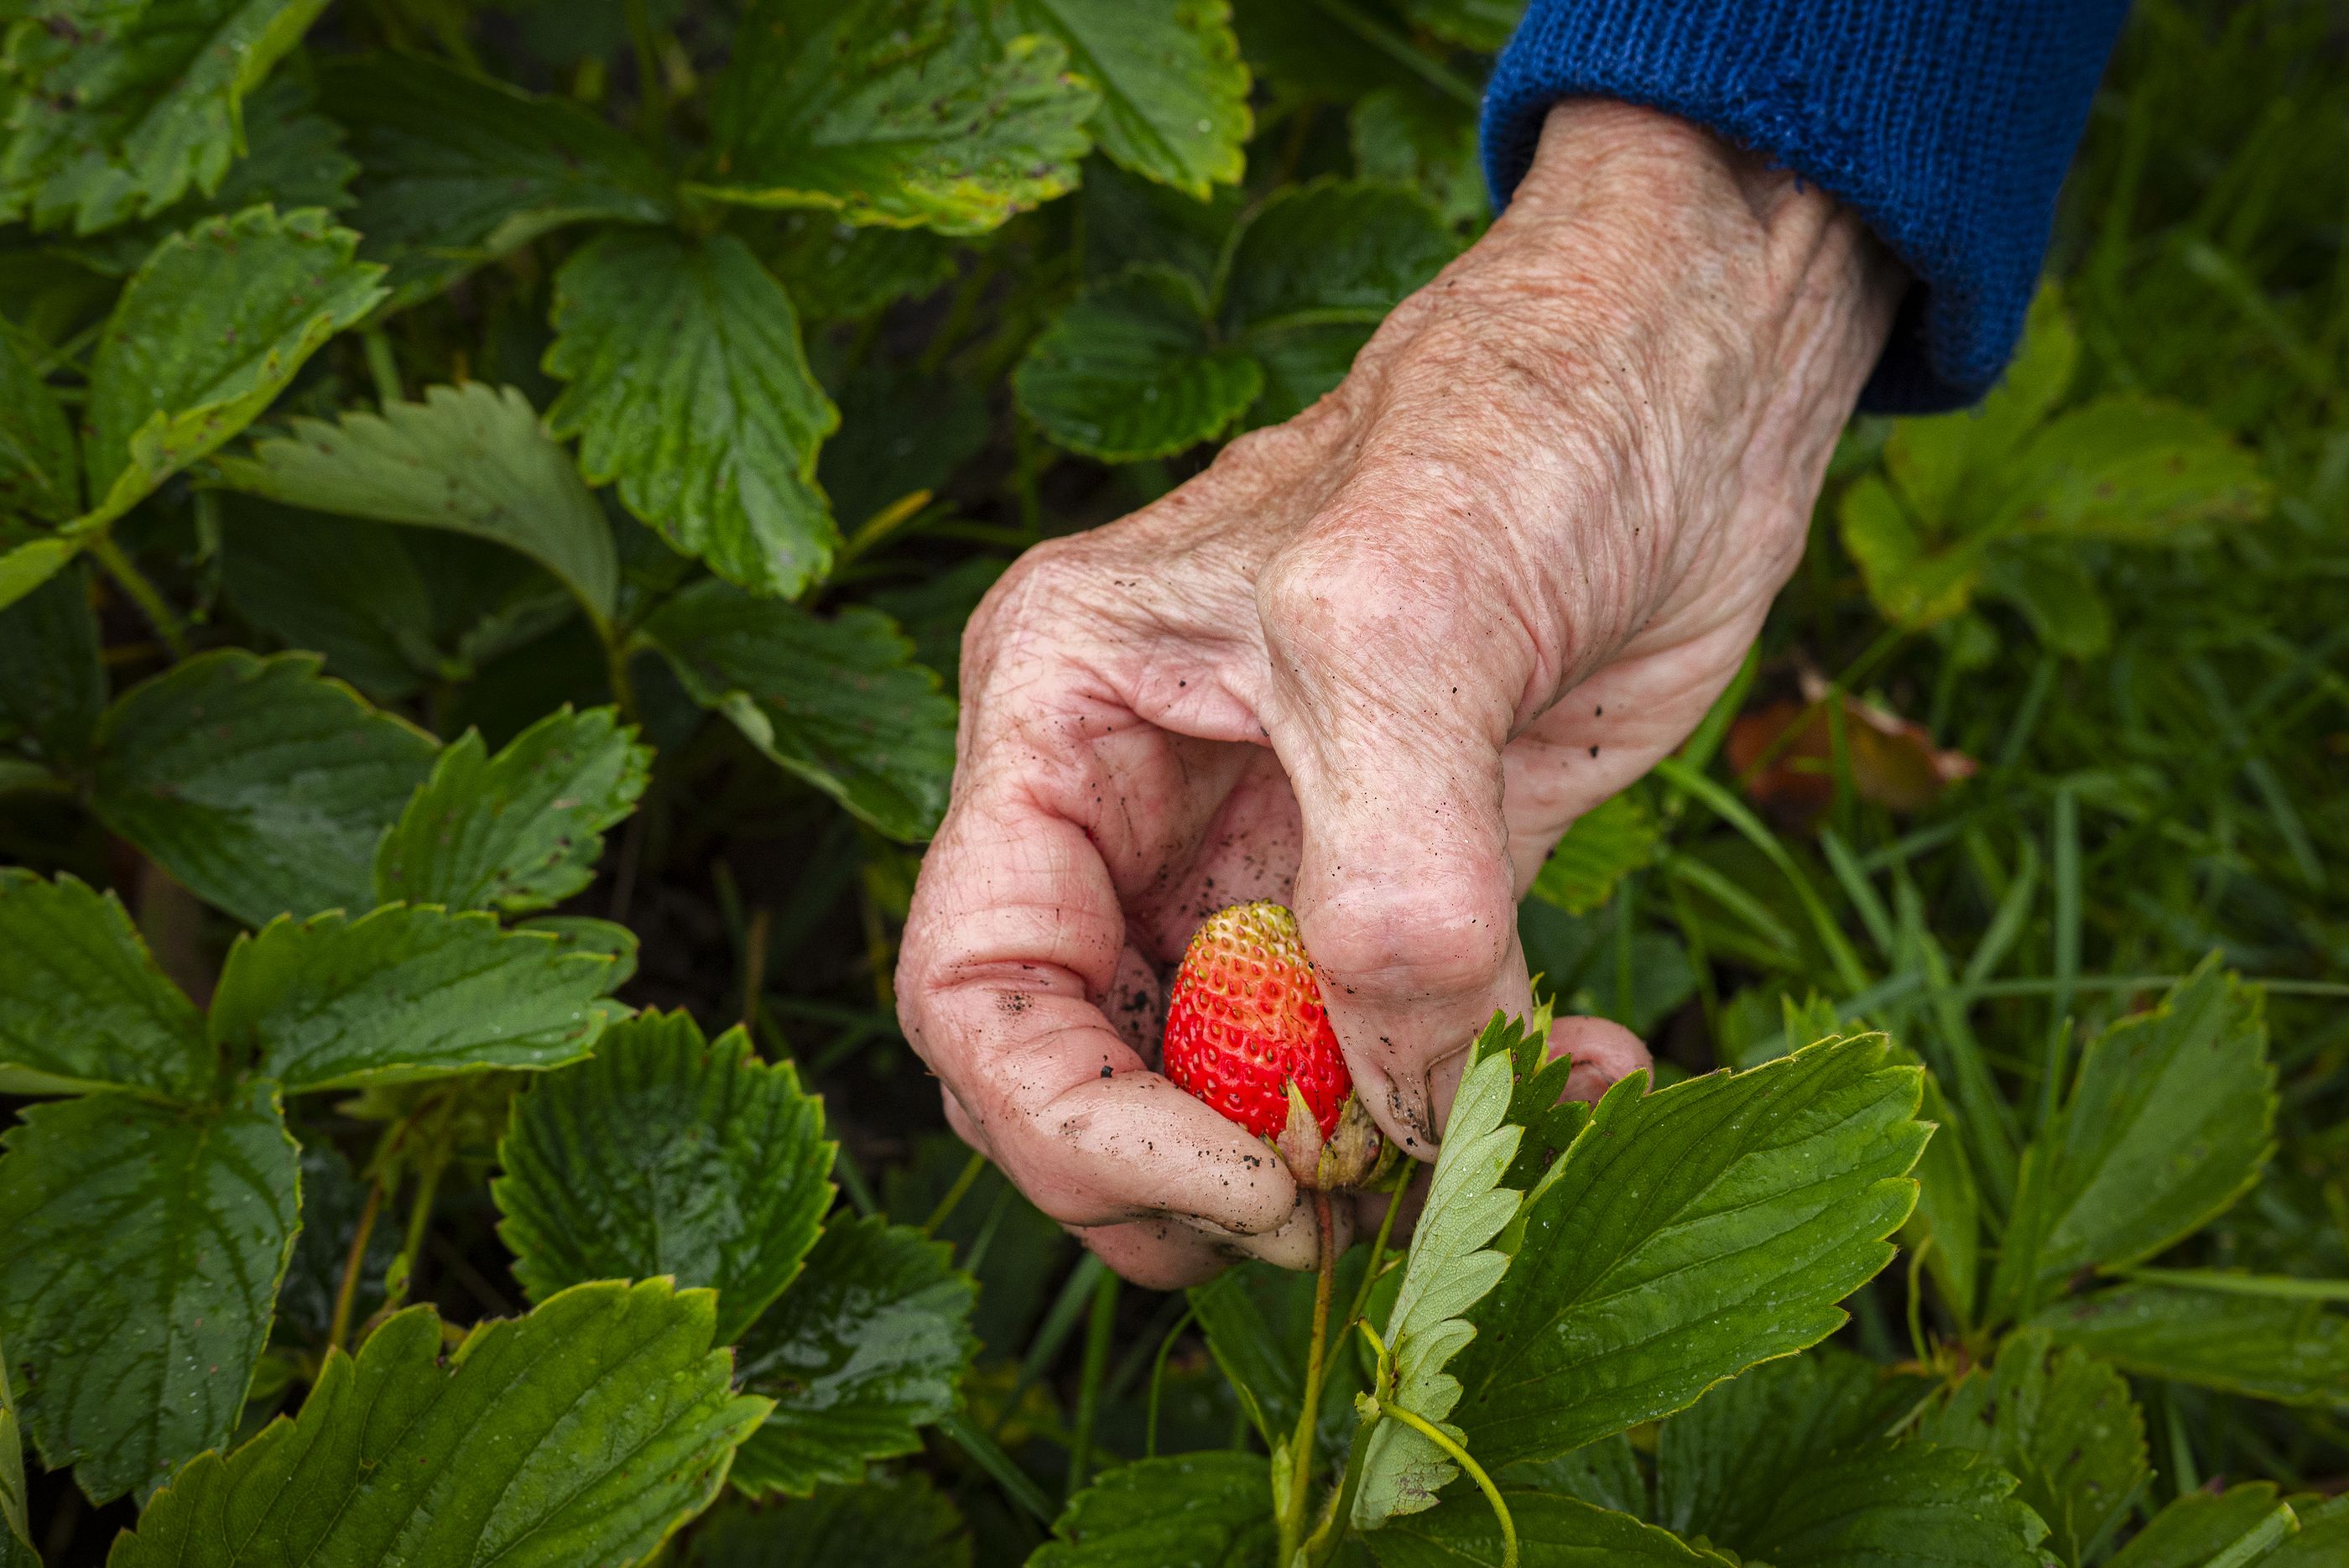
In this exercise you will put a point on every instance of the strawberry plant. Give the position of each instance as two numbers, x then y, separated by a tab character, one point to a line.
490	495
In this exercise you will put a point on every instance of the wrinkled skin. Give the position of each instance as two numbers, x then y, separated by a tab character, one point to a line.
1372	664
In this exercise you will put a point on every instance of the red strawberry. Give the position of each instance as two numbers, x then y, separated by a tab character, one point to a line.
1246	1033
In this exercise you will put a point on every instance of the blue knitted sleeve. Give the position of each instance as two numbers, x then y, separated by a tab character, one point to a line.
1945	124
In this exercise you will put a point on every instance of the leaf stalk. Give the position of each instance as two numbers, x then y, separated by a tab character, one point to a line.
1460	1456
142	591
348	1290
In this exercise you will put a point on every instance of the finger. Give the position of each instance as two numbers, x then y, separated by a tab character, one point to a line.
1297	1244
1162	1254
1013	943
1389	710
1604	1054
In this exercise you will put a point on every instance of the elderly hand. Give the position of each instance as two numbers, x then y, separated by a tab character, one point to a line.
1372	663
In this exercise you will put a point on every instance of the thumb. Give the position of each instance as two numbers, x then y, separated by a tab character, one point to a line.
1404	892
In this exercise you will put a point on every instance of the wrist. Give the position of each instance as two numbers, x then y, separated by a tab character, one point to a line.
1685	202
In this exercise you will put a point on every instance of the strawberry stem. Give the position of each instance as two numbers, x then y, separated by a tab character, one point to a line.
1300	1444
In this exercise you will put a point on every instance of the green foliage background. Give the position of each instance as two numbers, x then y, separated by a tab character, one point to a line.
489	498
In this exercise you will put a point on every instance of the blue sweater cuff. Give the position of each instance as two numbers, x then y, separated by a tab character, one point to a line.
1945	124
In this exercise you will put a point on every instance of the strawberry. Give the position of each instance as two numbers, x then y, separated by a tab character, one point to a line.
1246	1032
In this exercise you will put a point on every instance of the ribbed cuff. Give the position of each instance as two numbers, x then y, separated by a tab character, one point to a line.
1947	125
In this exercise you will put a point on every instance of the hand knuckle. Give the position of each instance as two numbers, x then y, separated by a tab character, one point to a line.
1432	934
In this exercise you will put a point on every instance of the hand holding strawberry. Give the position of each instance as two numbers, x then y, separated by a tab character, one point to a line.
1371	664
1246	1032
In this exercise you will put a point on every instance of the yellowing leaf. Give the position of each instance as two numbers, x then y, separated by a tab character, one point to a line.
902	112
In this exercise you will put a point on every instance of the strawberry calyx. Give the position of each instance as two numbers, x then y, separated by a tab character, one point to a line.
1348	1158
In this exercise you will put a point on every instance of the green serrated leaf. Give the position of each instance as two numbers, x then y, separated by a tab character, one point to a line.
405	994
586	934
1899	1504
293	157
472	459
1914	584
882	1521
1301	363
1132	369
2132	469
38	474
1728	1465
2169	1120
1312	272
2198	1526
519	831
864	1350
1552	1533
128	105
82	1005
1605	1474
1450	1269
667	1154
1943	463
835	271
1333	251
1209	1509
2269	1347
585	1432
1973	490
2064	1426
1688	1234
460	170
206	335
901	112
260	786
838	702
140	1247
55	685
1605	844
688	386
1791	1463
1174	90
1013	1249
1537	1100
